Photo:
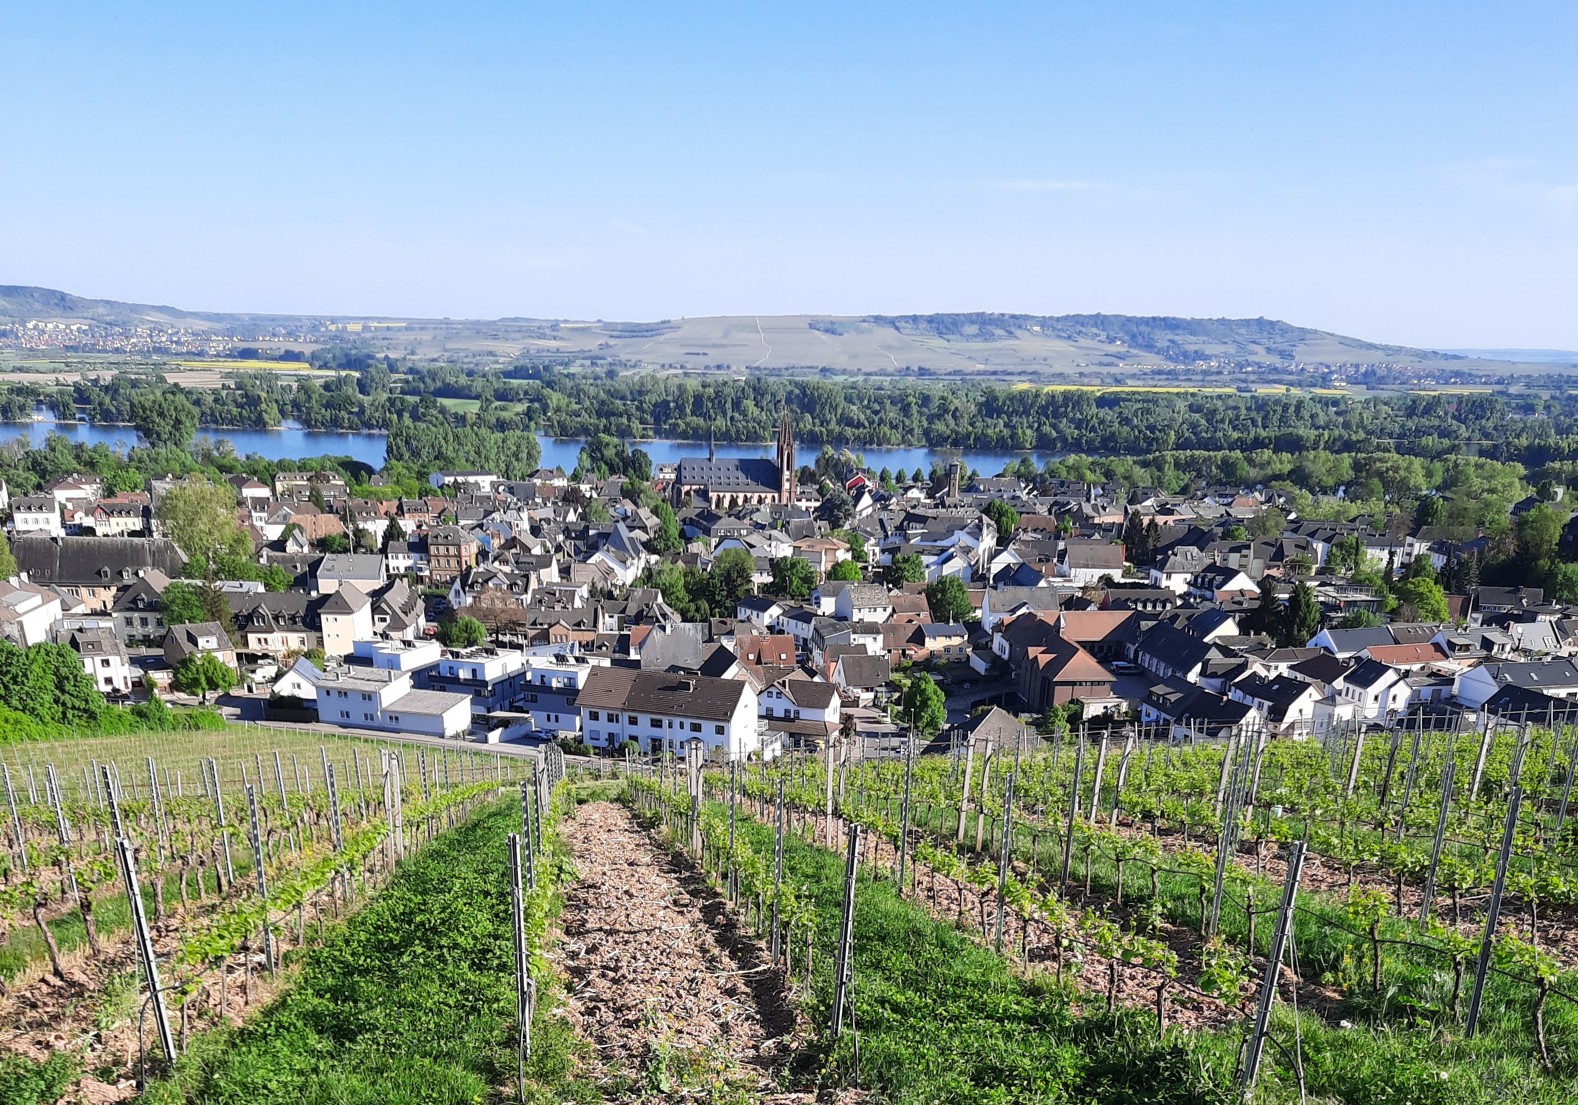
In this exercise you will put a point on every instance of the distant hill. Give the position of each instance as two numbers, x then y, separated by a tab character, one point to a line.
949	344
19	302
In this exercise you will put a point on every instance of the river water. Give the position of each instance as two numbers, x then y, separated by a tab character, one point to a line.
291	442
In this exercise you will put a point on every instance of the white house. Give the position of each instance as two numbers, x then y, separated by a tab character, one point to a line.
376	698
863	602
1557	678
103	658
661	711
1285	704
1375	690
478	483
801	710
26	613
37	514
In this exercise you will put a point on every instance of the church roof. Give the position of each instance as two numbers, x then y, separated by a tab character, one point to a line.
739	474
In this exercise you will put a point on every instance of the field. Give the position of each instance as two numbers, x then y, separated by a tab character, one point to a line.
1084	917
208	844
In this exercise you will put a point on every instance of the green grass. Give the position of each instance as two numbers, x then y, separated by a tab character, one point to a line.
411	1001
942	1019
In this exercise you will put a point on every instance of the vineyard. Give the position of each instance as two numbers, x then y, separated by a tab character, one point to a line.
244	846
1375	917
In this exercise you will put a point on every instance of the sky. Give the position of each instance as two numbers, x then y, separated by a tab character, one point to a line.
1403	172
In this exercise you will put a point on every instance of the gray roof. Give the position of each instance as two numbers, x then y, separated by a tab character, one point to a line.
745	474
350	566
650	692
95	561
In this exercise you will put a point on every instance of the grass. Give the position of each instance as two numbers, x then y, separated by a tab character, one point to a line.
178	751
943	1019
411	1001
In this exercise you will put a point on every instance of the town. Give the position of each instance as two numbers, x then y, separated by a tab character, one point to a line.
761	607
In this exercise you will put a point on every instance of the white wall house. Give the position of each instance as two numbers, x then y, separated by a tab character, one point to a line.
661	711
37	514
375	698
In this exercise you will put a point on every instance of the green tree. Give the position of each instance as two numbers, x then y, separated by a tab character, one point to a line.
1268	523
1303	616
846	570
1359	619
1137	540
201	673
1421	600
7	561
948	600
685	589
732	577
1431	511
856	543
904	568
665	539
1235	532
200	517
1561	583
923	705
837	507
165	418
597	512
278	579
1271	615
1535	536
46	682
792	576
181	603
462	632
1003	516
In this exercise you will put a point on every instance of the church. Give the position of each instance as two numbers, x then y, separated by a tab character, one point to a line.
741	481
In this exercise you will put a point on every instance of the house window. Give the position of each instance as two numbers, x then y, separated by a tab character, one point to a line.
592	714
655	723
345	713
695	727
613	717
718	729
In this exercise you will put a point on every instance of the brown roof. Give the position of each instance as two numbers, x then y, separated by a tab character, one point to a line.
1063	661
1427	653
1096	625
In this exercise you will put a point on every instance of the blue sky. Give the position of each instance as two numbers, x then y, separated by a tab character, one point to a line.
1402	172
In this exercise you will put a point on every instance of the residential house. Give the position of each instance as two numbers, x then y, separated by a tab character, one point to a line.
660	711
103	658
37	514
94	569
450	551
181	641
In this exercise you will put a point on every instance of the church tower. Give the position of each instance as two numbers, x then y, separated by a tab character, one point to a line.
786	469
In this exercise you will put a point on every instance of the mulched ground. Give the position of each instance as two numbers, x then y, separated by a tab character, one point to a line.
659	974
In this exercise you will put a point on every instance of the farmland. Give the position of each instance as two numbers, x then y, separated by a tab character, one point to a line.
246	848
1083	917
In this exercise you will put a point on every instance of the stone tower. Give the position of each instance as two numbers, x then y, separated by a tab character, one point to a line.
786	470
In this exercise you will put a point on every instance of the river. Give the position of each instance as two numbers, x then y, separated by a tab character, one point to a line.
291	442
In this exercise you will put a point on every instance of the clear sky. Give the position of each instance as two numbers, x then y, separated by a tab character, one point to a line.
1398	171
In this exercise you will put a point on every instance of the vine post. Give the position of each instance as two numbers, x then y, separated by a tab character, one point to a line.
1268	984
844	968
1493	910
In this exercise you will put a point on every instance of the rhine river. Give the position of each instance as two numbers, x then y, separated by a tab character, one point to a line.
290	442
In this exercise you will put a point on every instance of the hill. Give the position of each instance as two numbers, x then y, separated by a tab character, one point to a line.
951	344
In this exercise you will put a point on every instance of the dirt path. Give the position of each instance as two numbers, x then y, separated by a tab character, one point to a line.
677	1001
